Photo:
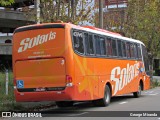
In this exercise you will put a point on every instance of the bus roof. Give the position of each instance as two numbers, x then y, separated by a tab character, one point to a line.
102	30
86	28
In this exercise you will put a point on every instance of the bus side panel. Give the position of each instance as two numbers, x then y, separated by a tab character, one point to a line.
115	73
86	80
122	75
83	89
146	82
91	76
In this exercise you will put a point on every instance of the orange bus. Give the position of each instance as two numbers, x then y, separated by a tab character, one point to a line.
66	63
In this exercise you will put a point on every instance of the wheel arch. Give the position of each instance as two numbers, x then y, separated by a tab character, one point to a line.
142	84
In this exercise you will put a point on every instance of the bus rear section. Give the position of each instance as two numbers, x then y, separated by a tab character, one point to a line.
39	64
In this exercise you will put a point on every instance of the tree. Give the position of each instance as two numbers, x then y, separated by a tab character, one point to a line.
6	2
74	11
142	22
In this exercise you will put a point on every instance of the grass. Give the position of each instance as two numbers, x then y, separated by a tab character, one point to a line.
7	102
155	83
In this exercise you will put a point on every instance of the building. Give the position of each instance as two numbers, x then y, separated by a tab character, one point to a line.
114	13
11	17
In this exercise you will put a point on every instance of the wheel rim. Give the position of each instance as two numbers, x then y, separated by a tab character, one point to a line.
107	96
139	91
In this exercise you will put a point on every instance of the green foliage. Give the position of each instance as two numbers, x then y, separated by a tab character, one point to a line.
140	21
155	83
143	23
74	12
7	102
6	2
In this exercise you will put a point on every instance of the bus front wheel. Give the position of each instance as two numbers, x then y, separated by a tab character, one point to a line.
138	93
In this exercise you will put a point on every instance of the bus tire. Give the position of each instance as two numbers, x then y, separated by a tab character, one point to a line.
105	101
64	103
138	93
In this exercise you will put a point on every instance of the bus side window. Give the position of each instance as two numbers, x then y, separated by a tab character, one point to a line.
89	44
86	43
102	46
108	46
114	48
128	50
132	50
78	42
124	49
119	48
97	44
135	51
139	51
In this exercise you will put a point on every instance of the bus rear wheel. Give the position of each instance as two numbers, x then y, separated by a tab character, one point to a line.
64	103
138	93
106	99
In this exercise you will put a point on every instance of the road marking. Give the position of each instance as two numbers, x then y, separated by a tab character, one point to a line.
149	91
159	118
153	94
78	114
123	102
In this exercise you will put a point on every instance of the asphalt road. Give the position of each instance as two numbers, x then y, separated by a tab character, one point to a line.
120	106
